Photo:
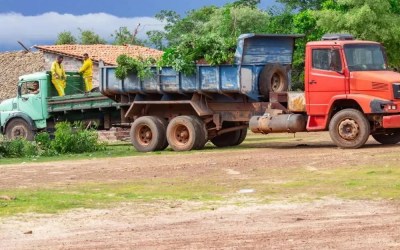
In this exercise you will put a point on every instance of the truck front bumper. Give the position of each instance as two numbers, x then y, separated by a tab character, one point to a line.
391	121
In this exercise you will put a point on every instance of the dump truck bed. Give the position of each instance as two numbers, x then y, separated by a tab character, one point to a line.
75	97
80	102
253	53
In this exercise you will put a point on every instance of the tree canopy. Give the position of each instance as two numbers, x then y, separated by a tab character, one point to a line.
211	32
124	36
85	37
65	37
374	20
89	37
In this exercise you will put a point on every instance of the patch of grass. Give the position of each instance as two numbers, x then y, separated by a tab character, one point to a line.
95	195
361	182
126	149
279	184
110	151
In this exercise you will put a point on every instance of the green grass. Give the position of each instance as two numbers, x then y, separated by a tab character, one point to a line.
126	149
357	182
296	185
95	195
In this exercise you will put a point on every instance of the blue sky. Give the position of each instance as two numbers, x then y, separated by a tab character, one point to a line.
39	21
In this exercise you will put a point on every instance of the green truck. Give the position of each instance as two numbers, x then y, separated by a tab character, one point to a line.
34	110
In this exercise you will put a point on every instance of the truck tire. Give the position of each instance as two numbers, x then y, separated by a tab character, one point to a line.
227	139
392	137
202	132
273	78
19	128
147	134
184	133
242	137
164	125
349	128
233	138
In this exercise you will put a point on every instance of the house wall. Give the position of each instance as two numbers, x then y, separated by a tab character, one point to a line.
71	64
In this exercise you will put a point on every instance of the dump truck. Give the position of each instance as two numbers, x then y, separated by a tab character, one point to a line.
349	91
34	110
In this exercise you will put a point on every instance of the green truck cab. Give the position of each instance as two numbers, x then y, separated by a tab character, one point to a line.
34	110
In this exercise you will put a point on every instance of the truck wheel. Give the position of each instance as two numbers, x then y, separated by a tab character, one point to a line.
392	137
184	133
147	134
19	128
233	138
242	137
164	125
273	78
227	139
349	128
202	132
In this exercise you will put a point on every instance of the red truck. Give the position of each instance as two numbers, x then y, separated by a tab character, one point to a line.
349	91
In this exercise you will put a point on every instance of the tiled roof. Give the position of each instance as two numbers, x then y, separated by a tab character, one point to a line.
106	53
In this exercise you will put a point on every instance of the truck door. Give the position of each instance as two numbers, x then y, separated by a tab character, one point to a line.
325	78
30	99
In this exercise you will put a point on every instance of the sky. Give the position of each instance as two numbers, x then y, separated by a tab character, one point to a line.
35	22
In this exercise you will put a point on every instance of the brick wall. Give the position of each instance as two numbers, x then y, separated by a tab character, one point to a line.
71	64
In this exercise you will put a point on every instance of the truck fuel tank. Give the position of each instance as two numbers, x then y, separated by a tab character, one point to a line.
290	123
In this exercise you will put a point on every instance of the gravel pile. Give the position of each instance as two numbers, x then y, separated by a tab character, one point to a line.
15	64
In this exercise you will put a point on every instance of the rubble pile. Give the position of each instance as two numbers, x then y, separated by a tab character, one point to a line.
15	64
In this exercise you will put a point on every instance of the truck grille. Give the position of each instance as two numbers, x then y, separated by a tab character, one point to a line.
396	91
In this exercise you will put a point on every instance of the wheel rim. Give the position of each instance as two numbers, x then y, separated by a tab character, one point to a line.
144	135
276	82
19	132
181	135
349	129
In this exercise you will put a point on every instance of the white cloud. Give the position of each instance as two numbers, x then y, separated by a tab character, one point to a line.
45	27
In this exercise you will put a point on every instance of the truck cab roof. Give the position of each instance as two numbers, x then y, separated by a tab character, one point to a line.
339	42
34	76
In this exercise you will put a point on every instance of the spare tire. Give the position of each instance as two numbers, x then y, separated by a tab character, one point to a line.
273	78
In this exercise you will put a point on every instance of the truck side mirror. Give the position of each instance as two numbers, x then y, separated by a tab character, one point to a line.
19	90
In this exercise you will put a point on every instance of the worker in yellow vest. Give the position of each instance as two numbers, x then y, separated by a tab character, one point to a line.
58	76
87	72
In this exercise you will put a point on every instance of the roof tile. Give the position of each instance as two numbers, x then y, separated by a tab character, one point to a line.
104	52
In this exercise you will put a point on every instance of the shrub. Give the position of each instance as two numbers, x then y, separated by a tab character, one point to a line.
18	148
69	138
43	143
74	138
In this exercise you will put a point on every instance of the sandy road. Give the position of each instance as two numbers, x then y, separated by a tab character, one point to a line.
329	223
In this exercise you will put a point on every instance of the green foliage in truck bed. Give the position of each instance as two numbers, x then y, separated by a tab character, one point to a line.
137	66
207	35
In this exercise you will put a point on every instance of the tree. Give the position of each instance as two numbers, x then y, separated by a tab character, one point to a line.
156	38
89	37
176	26
368	20
65	37
124	36
208	33
247	3
303	4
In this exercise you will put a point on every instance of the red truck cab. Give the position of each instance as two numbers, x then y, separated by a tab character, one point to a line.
351	92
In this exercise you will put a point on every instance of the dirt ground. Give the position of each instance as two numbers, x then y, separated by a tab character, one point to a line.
326	224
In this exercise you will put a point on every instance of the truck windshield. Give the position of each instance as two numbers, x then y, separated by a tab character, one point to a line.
365	57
